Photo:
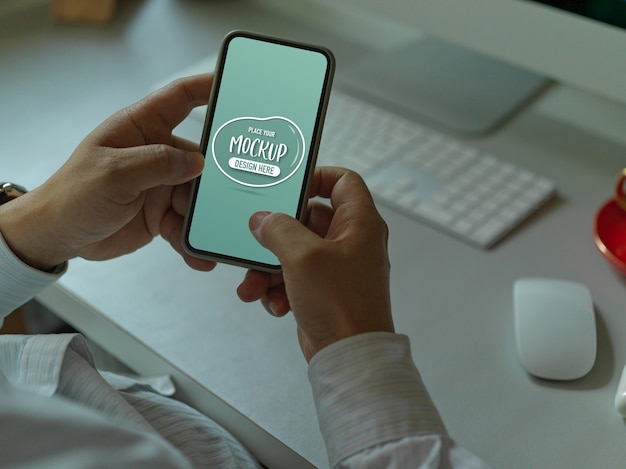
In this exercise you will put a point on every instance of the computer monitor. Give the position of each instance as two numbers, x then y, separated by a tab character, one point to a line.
578	42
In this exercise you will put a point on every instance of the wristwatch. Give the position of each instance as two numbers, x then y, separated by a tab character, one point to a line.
10	191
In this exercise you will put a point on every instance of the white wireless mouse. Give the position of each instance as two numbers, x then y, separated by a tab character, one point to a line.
555	328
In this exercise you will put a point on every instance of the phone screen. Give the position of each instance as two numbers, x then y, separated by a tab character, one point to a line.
260	141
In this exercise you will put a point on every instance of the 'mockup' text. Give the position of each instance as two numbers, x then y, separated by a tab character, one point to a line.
257	148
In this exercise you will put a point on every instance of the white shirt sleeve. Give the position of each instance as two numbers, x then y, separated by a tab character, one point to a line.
40	431
374	410
19	282
57	410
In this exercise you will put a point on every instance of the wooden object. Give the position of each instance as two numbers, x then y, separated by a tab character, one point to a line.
14	324
93	11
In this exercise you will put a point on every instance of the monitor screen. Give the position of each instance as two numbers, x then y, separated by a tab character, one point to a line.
577	42
608	11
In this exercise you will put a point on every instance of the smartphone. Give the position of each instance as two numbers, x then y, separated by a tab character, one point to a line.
260	140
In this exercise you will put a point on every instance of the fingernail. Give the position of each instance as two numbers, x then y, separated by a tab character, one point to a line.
256	219
273	308
195	161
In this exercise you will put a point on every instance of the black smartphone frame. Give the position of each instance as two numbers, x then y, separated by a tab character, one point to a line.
311	156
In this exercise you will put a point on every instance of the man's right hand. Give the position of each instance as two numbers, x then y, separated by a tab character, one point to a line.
335	275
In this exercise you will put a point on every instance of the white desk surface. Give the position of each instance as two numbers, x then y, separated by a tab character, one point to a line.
242	366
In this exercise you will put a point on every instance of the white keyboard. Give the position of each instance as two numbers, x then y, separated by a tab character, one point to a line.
429	176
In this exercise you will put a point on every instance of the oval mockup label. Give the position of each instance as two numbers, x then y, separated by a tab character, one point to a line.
258	152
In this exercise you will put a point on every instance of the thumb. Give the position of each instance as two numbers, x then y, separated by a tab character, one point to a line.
280	233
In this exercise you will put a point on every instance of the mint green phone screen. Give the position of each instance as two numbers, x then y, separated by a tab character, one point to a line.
257	144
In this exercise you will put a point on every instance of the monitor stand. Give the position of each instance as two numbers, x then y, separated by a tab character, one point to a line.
444	85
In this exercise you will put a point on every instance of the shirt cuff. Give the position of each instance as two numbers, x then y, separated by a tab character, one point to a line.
20	282
368	392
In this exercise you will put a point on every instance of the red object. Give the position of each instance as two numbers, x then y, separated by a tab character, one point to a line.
610	233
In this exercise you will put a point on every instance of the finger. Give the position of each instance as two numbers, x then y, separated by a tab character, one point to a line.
201	265
152	119
283	235
319	218
341	186
276	302
157	202
354	207
180	198
171	230
184	144
173	102
145	167
256	284
253	286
